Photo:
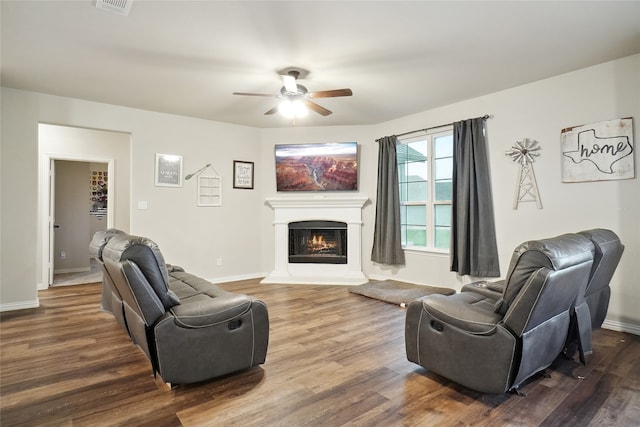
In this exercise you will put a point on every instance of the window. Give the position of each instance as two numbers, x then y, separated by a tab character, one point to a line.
425	170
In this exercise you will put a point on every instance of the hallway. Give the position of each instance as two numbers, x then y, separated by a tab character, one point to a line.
94	275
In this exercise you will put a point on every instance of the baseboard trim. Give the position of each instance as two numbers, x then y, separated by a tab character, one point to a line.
21	305
621	327
226	279
382	277
72	270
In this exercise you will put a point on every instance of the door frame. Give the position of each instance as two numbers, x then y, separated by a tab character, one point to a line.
47	202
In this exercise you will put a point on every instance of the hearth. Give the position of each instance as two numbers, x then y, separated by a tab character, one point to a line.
321	242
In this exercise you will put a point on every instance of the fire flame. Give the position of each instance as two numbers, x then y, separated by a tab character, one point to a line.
318	243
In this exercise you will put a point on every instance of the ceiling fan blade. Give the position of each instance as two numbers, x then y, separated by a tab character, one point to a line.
272	111
289	83
317	108
331	93
255	94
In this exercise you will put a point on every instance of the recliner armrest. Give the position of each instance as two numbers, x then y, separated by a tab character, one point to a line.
493	290
467	311
173	268
201	311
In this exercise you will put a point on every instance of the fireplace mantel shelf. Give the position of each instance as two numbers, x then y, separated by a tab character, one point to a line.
342	208
318	201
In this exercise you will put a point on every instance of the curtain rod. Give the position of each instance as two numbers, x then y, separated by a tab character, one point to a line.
485	117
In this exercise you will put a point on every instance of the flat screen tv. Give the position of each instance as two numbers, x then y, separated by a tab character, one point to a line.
317	167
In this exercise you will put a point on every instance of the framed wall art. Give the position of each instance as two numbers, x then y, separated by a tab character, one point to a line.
242	174
168	172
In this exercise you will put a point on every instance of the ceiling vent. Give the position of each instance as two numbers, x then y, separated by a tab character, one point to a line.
121	7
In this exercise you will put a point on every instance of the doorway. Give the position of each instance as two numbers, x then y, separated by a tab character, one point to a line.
80	146
80	210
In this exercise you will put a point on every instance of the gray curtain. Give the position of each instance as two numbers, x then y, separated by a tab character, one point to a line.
473	234
387	243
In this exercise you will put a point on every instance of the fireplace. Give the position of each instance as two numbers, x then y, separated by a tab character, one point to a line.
319	213
321	242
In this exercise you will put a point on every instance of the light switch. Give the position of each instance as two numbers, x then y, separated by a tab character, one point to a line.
142	204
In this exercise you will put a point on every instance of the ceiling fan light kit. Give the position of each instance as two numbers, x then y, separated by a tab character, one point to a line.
292	109
296	99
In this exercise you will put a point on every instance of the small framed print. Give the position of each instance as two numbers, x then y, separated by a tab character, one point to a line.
168	170
242	174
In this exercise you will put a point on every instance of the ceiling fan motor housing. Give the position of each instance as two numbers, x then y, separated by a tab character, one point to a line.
301	91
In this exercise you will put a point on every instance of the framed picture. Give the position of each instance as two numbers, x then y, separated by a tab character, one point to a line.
242	174
168	170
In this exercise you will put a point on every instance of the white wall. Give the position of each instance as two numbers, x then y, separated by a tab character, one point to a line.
537	111
19	190
195	237
188	235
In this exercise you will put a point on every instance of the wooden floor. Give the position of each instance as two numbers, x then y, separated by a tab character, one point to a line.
334	359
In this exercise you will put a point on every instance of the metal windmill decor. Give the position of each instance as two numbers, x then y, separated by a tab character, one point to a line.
523	153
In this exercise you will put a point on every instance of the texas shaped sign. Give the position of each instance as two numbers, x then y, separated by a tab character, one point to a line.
601	151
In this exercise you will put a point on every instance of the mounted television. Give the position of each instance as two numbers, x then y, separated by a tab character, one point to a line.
317	167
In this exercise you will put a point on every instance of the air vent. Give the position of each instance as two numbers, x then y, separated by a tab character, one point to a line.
121	7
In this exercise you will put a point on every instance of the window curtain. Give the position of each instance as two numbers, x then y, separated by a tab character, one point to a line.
387	243
473	236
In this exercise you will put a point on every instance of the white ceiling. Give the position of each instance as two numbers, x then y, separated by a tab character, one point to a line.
399	58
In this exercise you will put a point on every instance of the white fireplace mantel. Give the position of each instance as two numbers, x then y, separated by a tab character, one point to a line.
347	209
317	202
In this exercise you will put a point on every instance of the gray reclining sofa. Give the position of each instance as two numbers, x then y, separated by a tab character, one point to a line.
111	299
190	329
590	307
492	341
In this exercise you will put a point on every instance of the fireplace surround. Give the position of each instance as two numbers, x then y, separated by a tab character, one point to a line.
326	208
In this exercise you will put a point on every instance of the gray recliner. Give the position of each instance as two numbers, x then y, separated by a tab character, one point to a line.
591	308
494	344
190	329
111	299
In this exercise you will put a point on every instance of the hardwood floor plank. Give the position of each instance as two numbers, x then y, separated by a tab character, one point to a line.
334	359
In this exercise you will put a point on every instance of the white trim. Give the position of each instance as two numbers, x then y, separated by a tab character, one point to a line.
20	305
429	205
72	270
45	180
426	251
228	279
621	327
314	202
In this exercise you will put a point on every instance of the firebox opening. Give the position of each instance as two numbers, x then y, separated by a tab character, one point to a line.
323	242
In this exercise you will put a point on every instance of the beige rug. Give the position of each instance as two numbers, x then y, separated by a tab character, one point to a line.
397	292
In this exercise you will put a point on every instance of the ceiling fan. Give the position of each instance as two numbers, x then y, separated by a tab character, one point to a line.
296	99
